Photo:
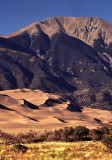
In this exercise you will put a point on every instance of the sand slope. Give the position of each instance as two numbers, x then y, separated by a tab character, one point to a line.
18	112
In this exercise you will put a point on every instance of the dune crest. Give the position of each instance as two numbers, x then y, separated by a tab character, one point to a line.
24	109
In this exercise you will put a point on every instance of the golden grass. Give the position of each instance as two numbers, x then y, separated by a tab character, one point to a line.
58	151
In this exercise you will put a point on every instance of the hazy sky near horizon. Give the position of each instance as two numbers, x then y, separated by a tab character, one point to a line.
15	14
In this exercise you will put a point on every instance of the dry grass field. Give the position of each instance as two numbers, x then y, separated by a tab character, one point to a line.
57	151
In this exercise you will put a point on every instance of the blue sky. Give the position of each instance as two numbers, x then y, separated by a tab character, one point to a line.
15	14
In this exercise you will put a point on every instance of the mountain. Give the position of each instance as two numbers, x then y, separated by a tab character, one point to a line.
63	55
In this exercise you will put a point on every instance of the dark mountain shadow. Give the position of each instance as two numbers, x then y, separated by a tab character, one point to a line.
27	73
9	44
9	77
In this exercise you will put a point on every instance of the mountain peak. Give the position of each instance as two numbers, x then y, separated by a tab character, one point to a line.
84	28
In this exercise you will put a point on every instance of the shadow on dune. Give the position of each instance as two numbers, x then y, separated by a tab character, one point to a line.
61	120
29	104
5	108
51	102
74	107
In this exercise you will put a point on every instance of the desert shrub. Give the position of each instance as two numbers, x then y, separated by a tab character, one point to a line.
61	135
19	148
110	131
80	133
54	136
105	130
107	140
51	137
71	130
69	134
57	134
26	138
65	134
95	134
7	138
42	137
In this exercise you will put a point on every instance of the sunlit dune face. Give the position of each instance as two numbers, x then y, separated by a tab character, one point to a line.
24	109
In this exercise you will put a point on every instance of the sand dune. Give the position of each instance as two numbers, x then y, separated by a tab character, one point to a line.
24	109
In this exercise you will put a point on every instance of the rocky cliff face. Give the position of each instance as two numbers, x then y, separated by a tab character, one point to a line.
65	55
